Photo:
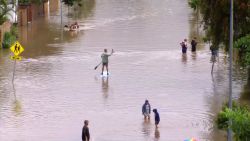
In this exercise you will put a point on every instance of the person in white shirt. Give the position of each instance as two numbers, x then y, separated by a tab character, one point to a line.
184	46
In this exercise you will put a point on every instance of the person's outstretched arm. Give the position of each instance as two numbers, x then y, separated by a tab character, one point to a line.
111	52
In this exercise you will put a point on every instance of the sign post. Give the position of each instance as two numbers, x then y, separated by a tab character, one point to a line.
17	49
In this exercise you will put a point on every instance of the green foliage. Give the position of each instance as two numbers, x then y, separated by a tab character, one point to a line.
4	11
37	1
240	117
71	2
216	15
24	1
243	44
68	2
194	4
8	40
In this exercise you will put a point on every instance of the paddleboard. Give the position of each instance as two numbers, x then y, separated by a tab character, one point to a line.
105	74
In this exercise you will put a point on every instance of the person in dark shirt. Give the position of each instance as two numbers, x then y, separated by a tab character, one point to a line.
193	44
85	131
157	118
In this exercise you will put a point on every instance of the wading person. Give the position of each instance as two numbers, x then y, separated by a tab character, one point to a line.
193	44
85	131
184	46
105	60
146	110
157	118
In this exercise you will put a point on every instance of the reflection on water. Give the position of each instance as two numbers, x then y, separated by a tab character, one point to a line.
157	134
194	55
146	128
105	86
184	58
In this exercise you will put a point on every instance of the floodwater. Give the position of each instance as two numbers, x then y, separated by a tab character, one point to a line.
57	87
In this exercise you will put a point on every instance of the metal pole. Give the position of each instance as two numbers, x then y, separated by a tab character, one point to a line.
13	78
229	135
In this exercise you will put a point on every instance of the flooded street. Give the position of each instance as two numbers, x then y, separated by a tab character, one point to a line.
57	87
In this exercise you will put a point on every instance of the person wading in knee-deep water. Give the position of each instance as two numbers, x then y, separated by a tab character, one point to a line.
105	60
193	44
184	46
85	131
157	118
146	110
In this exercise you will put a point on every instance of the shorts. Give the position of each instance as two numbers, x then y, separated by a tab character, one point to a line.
146	114
105	64
157	122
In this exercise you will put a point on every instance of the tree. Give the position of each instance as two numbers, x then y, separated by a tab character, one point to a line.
30	1
68	2
243	45
23	1
195	5
4	9
215	17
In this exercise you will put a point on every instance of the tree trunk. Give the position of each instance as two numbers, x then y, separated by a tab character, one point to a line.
248	77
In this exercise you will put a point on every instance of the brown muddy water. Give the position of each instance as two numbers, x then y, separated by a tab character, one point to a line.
57	87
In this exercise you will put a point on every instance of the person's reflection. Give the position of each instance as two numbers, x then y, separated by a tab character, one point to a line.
72	33
194	55
157	134
184	58
105	86
146	128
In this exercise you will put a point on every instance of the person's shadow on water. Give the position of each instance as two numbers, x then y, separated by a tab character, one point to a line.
105	86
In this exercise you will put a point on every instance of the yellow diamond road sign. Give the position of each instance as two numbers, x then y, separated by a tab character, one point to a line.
18	58
17	48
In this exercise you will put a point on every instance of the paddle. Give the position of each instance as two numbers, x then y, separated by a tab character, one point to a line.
98	65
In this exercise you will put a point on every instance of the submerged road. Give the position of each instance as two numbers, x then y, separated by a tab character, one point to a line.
57	87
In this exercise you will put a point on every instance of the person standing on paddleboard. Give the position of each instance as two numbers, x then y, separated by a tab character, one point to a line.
105	60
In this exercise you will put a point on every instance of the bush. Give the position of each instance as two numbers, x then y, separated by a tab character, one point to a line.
243	44
240	117
8	40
